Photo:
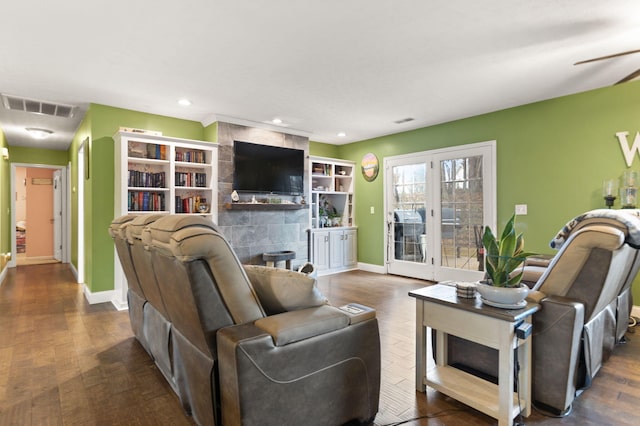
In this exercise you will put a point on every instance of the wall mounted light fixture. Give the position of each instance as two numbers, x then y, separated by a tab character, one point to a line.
5	153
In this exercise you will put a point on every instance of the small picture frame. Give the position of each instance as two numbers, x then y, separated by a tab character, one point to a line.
87	157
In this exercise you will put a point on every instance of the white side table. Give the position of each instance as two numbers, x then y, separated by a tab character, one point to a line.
438	307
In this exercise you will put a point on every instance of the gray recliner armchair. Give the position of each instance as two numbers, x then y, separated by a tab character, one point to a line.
585	299
253	345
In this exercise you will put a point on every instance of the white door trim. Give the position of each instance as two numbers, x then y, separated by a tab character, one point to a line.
487	149
65	211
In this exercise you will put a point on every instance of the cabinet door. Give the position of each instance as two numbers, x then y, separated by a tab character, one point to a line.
336	250
320	250
350	248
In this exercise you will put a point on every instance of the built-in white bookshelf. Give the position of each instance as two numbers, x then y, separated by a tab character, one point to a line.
333	235
159	174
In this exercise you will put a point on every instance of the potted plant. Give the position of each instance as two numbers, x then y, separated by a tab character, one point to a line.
503	258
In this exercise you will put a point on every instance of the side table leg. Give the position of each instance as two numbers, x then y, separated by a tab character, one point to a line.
421	348
506	360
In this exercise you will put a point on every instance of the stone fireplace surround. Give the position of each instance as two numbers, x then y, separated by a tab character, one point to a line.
253	232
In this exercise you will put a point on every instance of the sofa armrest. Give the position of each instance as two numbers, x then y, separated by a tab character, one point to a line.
557	333
294	326
262	383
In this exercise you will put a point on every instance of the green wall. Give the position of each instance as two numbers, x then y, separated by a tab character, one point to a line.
552	155
324	150
100	124
19	154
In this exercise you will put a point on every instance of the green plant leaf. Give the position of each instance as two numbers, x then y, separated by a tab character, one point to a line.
504	256
514	281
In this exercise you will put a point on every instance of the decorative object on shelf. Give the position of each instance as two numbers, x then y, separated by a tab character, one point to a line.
370	166
629	189
140	131
466	290
503	297
234	196
329	216
503	258
609	191
302	200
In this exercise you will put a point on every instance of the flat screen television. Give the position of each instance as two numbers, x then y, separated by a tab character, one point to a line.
267	169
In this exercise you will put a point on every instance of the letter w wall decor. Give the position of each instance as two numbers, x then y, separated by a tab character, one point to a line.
629	152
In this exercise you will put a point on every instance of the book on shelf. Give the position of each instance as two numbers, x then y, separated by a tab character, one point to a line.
189	204
191	179
145	201
146	179
194	156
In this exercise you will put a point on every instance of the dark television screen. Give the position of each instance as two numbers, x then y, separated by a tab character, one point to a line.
264	168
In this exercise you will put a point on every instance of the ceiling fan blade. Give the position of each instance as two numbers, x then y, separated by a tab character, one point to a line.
615	55
631	76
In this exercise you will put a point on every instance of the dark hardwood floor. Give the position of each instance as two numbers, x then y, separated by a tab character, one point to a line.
65	362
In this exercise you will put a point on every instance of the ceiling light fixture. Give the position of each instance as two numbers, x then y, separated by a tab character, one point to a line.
276	121
184	102
38	133
342	134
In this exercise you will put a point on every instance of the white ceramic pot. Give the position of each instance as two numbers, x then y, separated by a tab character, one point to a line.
503	295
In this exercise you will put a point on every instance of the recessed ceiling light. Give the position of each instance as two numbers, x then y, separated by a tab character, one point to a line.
276	121
38	133
184	102
342	134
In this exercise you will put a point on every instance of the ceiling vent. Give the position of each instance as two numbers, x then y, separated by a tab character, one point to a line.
403	120
37	107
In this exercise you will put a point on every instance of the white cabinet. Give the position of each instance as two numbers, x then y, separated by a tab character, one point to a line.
334	250
320	250
158	174
333	233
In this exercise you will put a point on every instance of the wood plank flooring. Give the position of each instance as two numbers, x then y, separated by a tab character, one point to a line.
65	362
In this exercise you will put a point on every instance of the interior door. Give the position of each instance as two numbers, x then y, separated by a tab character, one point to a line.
437	203
57	215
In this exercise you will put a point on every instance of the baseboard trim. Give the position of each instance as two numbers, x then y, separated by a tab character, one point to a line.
74	271
99	297
369	267
3	273
120	306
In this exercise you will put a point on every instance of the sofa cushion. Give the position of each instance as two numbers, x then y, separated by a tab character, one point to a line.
281	290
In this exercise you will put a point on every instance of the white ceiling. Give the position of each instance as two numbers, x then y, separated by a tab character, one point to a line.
323	67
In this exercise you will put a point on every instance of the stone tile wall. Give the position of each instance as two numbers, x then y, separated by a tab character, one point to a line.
253	232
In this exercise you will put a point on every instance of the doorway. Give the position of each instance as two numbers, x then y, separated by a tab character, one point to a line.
437	203
38	214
